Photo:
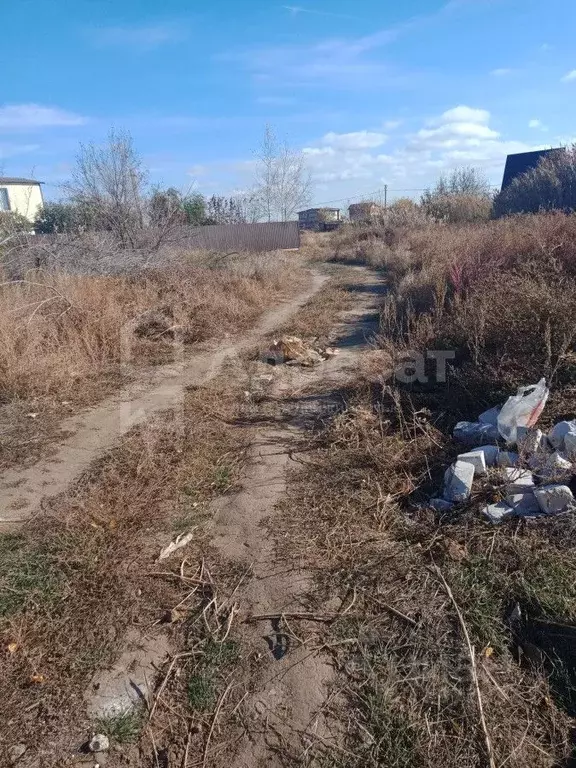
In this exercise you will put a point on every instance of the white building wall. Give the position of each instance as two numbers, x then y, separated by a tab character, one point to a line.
25	199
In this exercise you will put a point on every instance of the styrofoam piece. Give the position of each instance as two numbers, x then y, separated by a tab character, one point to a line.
477	459
529	440
473	433
558	433
523	503
556	469
518	480
490	416
490	454
458	480
498	512
507	459
553	498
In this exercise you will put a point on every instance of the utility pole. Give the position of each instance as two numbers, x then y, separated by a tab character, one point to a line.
385	196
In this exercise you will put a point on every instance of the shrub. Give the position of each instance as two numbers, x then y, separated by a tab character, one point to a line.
13	223
58	217
463	196
460	208
549	186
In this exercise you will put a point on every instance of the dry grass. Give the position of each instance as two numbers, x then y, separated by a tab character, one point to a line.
61	335
318	316
501	295
75	580
407	681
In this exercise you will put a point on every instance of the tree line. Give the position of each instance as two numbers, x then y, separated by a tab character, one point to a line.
109	190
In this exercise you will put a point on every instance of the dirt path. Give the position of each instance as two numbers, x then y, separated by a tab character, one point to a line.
22	491
289	679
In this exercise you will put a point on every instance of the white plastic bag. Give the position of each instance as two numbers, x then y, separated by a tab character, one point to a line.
522	410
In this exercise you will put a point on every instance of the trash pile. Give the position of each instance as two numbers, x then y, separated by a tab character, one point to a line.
529	472
292	350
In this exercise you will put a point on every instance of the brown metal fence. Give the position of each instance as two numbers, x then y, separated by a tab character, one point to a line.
276	235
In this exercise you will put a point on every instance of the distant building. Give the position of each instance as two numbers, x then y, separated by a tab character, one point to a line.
359	212
518	164
23	196
319	219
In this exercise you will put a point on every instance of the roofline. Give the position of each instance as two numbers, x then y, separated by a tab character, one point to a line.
9	180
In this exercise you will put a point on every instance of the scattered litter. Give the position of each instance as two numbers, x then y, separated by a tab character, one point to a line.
292	350
477	459
530	481
529	440
554	498
32	415
473	433
557	469
519	480
559	431
523	503
99	743
522	410
496	513
458	481
507	459
490	454
490	417
178	543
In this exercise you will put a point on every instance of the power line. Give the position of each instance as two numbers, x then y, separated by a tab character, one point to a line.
375	193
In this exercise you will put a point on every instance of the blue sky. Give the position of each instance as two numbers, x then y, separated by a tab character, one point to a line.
373	92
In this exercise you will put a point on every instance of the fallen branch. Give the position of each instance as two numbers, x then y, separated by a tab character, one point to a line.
473	669
396	612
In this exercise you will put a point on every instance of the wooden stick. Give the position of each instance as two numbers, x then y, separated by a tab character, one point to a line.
473	668
395	612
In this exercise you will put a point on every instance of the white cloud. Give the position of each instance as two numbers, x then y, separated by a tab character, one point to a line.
356	140
461	126
463	114
460	136
390	125
537	125
502	72
145	37
341	63
30	116
570	76
296	10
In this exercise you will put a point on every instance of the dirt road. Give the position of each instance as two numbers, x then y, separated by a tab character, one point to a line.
289	685
22	491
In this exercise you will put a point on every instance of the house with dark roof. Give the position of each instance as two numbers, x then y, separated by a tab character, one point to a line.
319	219
518	164
22	196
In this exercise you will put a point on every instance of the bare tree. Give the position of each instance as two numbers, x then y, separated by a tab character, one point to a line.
283	182
109	182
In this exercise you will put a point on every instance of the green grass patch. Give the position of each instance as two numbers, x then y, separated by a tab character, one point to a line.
123	728
216	659
201	692
28	575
